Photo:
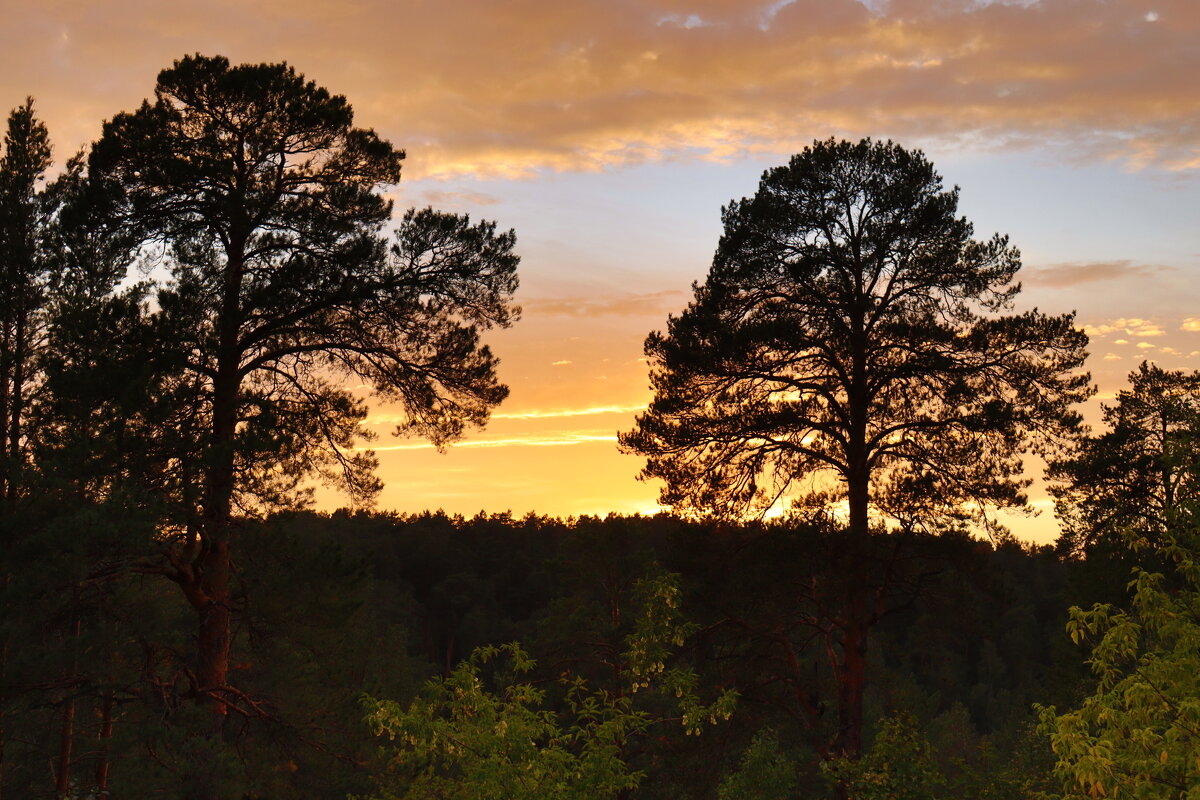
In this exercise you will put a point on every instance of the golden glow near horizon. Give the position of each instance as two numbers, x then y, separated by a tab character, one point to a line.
611	140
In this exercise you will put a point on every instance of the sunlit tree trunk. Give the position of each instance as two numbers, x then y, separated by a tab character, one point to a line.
104	735
66	741
214	564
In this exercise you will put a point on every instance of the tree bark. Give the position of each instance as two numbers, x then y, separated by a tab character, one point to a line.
215	623
105	740
5	383
66	741
852	681
214	561
62	782
851	672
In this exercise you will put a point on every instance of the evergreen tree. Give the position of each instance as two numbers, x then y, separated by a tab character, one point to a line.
265	201
850	327
27	156
1133	480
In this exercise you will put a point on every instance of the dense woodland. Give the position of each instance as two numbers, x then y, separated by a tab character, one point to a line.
181	309
332	607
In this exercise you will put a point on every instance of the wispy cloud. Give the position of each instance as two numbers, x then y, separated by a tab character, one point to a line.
562	439
1060	276
458	200
626	304
528	414
569	412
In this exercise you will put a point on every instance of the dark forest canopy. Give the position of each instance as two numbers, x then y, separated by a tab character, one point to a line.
331	606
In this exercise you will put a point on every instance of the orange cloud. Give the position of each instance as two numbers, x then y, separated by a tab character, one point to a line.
626	304
1059	276
569	412
507	89
1129	327
559	439
442	199
384	418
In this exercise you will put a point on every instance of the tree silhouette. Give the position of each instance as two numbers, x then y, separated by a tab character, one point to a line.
1130	480
851	329
849	326
22	169
263	202
25	161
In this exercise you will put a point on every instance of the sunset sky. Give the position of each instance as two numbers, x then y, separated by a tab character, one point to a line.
609	133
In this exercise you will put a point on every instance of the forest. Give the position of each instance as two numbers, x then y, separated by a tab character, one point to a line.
827	607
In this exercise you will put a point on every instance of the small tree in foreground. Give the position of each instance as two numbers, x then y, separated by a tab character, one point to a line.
765	773
899	766
460	741
1138	736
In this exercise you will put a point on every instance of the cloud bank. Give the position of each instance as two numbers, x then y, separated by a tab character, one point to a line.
511	88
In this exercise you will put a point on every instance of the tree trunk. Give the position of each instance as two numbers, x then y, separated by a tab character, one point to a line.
213	575
105	741
66	741
62	782
851	671
212	656
851	684
5	384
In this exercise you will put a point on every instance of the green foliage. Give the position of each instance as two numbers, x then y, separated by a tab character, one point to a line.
1138	735
899	766
910	761
765	773
459	740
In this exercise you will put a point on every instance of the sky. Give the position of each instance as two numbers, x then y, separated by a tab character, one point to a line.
609	133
